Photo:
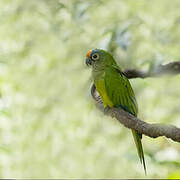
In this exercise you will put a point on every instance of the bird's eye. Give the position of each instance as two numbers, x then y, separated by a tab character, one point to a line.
95	56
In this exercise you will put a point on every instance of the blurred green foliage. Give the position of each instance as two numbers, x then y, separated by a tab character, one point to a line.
49	126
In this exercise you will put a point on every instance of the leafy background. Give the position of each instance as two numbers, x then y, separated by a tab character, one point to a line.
49	126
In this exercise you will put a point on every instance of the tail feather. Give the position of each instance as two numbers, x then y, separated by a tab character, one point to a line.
137	139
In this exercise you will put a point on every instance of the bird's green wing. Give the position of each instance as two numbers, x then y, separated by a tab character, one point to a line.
120	92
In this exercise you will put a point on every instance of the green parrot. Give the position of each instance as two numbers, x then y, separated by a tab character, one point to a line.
114	88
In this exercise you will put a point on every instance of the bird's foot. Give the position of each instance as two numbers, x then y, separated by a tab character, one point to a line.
106	109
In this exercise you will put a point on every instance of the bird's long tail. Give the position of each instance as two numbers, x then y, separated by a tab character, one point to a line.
137	139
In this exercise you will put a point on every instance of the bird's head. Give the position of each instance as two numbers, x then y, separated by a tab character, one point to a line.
99	58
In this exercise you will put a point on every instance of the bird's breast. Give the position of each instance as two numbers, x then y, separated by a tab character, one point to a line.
100	86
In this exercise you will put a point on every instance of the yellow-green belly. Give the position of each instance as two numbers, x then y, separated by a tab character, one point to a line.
102	91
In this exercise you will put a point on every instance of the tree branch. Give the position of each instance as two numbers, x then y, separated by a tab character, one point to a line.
130	121
172	68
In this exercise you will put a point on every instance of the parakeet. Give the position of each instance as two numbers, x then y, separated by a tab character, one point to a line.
114	88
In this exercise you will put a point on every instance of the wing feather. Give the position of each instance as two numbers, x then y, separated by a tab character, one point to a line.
120	91
121	94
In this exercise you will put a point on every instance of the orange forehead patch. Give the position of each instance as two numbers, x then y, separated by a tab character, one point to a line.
88	53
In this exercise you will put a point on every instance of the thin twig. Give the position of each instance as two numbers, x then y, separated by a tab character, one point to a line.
172	68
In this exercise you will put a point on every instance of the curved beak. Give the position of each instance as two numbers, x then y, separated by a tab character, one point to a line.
88	61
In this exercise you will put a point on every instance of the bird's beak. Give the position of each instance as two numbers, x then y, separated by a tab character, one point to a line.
88	61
